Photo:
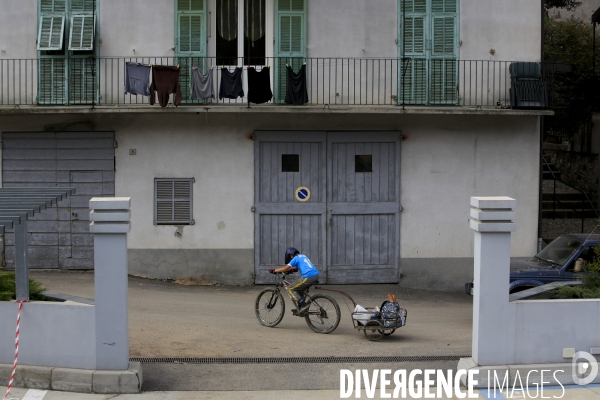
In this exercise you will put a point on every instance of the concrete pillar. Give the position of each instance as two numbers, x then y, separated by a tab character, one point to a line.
110	224
492	220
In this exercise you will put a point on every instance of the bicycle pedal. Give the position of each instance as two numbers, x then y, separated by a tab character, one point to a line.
294	312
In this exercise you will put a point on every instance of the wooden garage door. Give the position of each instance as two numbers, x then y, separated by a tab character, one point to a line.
350	225
59	237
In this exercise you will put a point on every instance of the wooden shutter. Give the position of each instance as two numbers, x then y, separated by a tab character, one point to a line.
83	6
53	6
52	81
290	41
173	201
82	32
190	41
413	72
82	88
443	65
51	32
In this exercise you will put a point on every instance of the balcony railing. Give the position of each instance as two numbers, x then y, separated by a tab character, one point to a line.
330	81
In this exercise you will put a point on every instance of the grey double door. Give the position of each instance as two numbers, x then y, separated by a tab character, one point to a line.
333	195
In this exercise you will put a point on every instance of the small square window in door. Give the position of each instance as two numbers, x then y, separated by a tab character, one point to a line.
290	163
363	163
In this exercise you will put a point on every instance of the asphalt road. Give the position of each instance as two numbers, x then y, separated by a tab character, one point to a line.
170	320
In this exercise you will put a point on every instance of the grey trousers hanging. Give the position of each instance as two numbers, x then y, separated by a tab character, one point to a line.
202	84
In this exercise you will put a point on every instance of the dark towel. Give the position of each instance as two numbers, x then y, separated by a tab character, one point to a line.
296	92
231	84
165	80
259	85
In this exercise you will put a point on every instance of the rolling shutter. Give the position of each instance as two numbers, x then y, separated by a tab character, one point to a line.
173	201
290	42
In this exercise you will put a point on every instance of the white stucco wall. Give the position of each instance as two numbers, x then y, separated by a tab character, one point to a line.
336	28
445	160
352	28
18	29
134	28
511	27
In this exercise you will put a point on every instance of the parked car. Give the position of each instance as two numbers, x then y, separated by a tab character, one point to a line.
555	263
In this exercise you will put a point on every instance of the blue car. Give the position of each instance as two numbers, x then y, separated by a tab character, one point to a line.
559	261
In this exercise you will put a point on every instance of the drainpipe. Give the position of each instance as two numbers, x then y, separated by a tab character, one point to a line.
541	149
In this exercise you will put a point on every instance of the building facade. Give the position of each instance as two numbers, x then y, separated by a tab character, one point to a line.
407	117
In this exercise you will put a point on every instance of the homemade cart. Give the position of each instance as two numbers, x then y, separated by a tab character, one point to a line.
376	322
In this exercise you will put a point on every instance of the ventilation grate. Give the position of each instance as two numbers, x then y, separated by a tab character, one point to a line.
294	360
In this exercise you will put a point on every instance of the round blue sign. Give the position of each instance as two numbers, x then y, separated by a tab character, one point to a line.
302	193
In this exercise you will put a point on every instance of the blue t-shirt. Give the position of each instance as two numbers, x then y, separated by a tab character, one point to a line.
306	268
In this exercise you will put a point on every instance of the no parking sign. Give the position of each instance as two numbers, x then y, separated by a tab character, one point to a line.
302	194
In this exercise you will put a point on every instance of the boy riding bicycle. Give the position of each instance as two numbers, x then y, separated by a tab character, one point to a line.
308	275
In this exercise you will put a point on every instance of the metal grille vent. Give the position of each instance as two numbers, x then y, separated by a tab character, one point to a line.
295	360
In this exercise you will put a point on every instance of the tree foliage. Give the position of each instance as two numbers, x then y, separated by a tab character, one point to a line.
590	286
566	4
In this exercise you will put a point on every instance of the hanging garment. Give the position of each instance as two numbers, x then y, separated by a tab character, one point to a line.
202	84
137	78
259	85
165	80
231	84
296	91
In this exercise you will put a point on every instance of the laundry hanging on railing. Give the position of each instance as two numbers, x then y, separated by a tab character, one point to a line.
165	81
231	84
259	85
202	84
137	78
296	90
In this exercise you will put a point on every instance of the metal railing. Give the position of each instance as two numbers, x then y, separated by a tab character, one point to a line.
330	81
585	200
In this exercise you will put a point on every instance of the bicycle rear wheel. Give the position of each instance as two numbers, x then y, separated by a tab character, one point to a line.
269	307
323	314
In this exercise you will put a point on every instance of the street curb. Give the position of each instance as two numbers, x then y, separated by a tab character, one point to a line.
75	380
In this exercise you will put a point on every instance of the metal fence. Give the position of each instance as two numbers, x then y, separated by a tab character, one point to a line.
330	81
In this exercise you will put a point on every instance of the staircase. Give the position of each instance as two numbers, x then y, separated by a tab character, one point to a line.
565	209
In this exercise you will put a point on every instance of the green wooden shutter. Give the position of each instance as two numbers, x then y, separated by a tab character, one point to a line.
53	6
82	88
414	72
443	66
290	41
82	32
82	6
190	48
51	32
428	35
52	81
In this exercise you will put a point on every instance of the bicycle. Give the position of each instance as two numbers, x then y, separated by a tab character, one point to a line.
322	316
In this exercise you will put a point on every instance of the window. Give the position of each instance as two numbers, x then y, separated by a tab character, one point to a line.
290	163
173	201
190	41
363	163
290	41
428	39
240	32
66	48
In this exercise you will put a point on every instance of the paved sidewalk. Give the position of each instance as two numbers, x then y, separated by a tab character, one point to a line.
591	392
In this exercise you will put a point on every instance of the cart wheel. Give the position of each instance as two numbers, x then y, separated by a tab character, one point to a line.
387	333
373	330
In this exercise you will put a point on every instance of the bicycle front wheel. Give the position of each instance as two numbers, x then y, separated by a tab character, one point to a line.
323	315
269	307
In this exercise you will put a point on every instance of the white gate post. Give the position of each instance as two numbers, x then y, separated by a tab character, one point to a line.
110	225
492	220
